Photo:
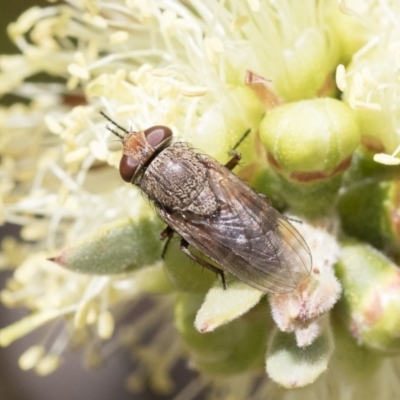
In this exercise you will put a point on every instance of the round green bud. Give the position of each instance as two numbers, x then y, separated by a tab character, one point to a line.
310	140
371	298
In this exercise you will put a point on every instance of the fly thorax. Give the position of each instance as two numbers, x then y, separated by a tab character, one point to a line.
205	203
174	178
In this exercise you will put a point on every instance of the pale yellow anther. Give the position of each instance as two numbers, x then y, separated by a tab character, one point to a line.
119	37
25	21
81	314
34	231
388	159
78	71
76	156
72	82
341	77
92	315
53	125
30	357
79	58
239	22
48	364
105	325
193	91
140	75
95	20
366	105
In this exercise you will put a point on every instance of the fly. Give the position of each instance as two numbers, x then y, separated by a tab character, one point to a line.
214	211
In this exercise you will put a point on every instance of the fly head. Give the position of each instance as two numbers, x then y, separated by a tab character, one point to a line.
139	149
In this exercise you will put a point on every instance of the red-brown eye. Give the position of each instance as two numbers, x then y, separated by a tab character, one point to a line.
158	135
127	167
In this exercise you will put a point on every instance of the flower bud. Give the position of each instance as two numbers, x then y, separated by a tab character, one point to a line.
309	144
233	348
115	248
371	297
380	202
310	140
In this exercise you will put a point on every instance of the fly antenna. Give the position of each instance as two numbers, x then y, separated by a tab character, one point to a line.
115	124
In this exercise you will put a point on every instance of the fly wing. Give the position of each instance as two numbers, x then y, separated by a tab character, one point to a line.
247	236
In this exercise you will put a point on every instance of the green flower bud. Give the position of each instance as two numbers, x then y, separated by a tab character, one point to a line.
116	248
310	143
233	348
379	201
371	298
310	140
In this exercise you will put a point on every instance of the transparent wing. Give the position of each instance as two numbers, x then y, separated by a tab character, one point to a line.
247	237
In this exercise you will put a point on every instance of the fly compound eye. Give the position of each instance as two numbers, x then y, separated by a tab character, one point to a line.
158	136
127	167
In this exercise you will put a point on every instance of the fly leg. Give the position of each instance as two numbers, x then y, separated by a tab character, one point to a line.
167	233
234	161
242	139
236	156
184	247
